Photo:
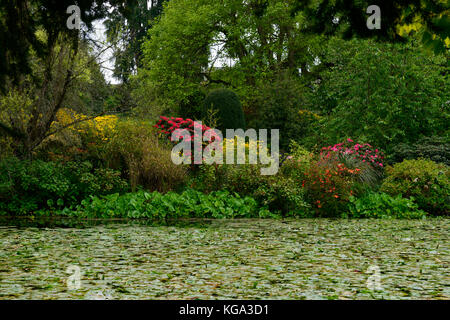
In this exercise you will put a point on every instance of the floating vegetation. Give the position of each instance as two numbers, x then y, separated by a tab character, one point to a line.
227	259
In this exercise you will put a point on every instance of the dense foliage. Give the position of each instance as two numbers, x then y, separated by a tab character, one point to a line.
425	180
27	187
382	205
281	193
383	94
188	204
434	148
329	185
310	69
227	109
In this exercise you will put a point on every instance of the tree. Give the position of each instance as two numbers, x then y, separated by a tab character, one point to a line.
199	44
21	19
127	25
29	108
46	66
381	93
191	47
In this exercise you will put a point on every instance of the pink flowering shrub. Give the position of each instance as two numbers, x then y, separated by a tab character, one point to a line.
167	126
363	152
343	170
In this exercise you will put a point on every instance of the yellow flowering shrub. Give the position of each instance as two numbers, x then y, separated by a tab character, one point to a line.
82	138
248	145
100	128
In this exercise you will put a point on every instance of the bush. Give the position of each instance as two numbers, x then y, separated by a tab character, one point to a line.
229	110
329	186
127	145
382	205
425	180
79	142
28	186
297	162
368	160
361	152
433	148
282	194
135	149
169	126
299	152
188	204
341	171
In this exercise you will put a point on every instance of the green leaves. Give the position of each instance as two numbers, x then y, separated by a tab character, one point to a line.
425	180
188	204
384	94
382	205
281	193
26	186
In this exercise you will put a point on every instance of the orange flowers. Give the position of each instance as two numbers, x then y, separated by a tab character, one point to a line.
329	184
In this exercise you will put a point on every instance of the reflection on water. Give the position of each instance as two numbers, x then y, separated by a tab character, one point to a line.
63	222
223	259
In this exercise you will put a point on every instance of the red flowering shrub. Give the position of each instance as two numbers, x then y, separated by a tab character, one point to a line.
329	185
167	126
364	152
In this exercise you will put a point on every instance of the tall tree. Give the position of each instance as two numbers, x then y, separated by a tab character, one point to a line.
192	45
30	107
381	93
44	61
19	21
127	25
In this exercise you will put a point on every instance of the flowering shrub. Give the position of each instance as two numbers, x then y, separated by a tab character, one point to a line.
96	128
342	170
76	137
364	152
167	126
329	185
248	146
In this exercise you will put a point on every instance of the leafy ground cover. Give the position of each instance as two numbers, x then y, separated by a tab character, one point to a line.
228	259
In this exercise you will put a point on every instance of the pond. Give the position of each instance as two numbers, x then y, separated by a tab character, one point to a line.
226	259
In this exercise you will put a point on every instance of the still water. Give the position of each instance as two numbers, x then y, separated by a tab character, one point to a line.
225	259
